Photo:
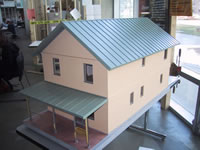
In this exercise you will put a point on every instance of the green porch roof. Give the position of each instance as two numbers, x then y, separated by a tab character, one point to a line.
74	102
116	42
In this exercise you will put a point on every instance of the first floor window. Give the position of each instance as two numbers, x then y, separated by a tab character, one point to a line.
132	98
142	91
161	78
88	73
56	66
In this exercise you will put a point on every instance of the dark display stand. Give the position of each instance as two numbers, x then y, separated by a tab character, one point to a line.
157	11
160	13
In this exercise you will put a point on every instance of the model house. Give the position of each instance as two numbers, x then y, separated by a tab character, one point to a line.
104	70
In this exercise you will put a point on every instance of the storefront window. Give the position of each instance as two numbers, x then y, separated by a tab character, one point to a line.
157	11
126	8
144	8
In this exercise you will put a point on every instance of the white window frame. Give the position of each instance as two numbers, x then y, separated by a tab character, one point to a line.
86	73
56	61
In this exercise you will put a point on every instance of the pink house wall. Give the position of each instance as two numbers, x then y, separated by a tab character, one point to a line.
129	78
72	56
116	84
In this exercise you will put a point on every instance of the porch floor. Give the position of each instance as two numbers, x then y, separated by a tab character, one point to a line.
65	130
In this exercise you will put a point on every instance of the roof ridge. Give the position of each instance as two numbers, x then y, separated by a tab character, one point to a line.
117	41
105	19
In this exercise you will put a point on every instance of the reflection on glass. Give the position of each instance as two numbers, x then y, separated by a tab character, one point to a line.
188	30
144	8
190	57
126	8
186	95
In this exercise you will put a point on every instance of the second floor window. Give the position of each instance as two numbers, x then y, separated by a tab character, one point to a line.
56	66
88	73
165	54
143	61
131	98
161	78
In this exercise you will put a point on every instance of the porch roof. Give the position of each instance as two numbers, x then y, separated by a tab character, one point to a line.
74	102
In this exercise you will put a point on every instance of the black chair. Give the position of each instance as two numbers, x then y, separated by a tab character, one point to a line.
21	72
17	74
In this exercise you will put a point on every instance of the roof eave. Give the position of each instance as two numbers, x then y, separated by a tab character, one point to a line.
52	35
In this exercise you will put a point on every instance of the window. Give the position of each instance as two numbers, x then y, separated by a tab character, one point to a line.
126	8
95	2
56	66
132	98
143	61
142	91
88	73
165	54
161	78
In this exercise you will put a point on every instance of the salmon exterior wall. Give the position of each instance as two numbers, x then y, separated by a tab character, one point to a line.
124	80
116	84
72	56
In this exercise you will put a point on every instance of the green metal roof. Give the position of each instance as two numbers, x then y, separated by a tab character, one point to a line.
115	42
74	102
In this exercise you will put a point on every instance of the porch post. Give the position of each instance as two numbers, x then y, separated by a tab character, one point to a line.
165	101
86	132
75	134
54	120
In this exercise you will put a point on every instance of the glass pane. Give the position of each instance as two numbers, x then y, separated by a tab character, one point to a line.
95	2
186	95
88	73
56	60
126	8
56	65
188	30
188	34
144	8
190	56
